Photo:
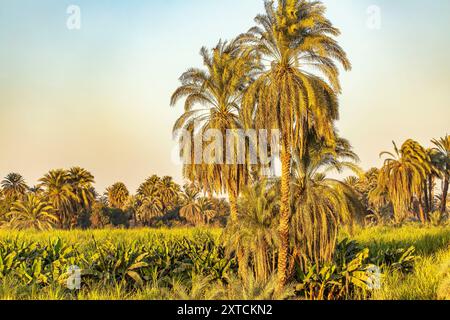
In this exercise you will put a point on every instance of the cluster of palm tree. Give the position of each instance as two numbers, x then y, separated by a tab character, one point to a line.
407	185
281	75
58	200
66	199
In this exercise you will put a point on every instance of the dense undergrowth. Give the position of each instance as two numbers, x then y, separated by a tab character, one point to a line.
375	263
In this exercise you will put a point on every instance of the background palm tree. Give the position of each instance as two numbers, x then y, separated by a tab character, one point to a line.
60	193
297	92
118	196
168	192
82	182
32	213
150	207
442	149
197	210
14	186
377	209
402	178
213	98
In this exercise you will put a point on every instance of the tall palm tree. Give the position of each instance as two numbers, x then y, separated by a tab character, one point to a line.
212	102
59	192
14	186
402	178
442	148
32	213
297	92
118	196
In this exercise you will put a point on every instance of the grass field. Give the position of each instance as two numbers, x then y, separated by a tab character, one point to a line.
189	264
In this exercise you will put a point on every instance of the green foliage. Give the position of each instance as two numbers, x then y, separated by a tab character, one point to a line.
131	263
192	264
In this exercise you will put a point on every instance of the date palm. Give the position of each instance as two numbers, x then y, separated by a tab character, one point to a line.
168	192
402	177
118	196
212	102
297	92
196	210
82	182
442	149
150	207
149	204
321	205
32	213
59	192
378	208
14	186
254	238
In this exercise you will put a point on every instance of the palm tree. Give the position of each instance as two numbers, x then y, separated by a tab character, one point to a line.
297	93
442	149
430	182
169	193
82	182
254	236
14	186
150	207
32	213
59	192
198	211
402	178
376	208
36	190
213	98
322	205
118	196
195	209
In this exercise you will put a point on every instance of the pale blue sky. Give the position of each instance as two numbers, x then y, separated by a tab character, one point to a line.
99	97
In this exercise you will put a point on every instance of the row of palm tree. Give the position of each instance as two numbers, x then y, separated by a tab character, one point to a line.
59	199
67	198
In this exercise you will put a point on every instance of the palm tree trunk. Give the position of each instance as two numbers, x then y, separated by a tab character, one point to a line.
242	258
422	214
426	199
232	197
285	216
431	193
444	195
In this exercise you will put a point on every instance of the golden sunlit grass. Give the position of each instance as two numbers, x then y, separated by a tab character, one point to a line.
429	279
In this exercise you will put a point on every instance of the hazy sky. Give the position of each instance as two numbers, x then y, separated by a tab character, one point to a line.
98	97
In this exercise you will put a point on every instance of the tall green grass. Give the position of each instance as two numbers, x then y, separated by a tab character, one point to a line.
429	280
